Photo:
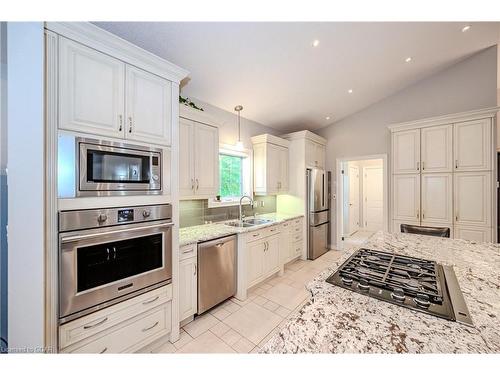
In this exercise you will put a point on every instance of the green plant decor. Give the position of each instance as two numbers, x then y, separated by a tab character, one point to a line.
189	103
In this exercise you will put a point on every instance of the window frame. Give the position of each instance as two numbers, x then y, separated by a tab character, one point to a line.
247	175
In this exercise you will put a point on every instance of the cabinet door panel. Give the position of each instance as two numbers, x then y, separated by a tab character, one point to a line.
472	147
187	288
406	151
186	158
271	255
437	199
473	198
273	169
283	166
206	160
255	261
148	105
437	155
91	90
475	234
406	197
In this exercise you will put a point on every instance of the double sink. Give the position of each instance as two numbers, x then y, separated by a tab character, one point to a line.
245	223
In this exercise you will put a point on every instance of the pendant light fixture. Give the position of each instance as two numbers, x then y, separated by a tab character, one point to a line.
239	144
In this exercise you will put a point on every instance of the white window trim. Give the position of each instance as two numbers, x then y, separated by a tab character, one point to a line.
247	180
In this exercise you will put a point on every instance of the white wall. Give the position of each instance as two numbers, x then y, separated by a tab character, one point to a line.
467	85
25	54
228	124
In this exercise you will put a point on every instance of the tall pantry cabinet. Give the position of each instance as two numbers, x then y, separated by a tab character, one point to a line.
443	174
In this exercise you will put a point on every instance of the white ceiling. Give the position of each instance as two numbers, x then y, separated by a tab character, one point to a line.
283	82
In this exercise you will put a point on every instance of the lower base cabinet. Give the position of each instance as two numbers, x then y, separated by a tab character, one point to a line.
122	328
263	257
188	287
475	234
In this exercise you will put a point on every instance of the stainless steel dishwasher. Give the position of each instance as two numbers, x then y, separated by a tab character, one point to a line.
216	271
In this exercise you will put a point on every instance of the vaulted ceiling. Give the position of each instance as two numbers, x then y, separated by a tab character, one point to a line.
285	82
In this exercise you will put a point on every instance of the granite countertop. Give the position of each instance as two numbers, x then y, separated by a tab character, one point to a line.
336	320
206	232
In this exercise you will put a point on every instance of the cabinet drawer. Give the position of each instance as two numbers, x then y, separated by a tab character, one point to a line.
99	321
296	237
188	251
297	221
296	248
139	329
263	233
255	235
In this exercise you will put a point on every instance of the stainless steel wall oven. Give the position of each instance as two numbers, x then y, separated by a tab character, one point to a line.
109	255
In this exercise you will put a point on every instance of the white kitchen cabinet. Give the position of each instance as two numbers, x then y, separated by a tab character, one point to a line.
198	160
475	234
270	164
91	90
101	95
436	149
406	197
272	255
436	199
473	198
255	261
285	235
406	151
262	255
315	154
472	145
148	107
188	287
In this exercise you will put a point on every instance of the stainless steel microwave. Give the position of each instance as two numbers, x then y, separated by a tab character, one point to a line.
90	167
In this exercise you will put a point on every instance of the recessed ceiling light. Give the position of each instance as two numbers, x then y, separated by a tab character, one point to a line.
408	59
315	43
349	91
327	118
465	28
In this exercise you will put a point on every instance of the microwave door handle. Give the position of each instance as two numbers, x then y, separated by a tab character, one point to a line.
79	237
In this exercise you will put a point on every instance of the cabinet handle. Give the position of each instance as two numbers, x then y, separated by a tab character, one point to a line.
423	165
147	329
96	324
195	270
151	300
272	230
423	213
197	184
456	164
104	350
255	235
130	124
418	214
189	250
120	120
192	184
418	165
456	217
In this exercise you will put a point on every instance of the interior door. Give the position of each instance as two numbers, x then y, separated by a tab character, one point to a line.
373	198
473	198
406	151
148	107
91	90
206	160
471	145
353	199
186	158
437	153
437	198
406	197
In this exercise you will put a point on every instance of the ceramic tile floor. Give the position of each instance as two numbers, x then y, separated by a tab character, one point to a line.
245	326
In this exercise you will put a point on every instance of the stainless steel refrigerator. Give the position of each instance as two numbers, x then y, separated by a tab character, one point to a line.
318	211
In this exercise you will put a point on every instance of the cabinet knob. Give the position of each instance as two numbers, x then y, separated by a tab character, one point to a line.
120	121
102	218
146	214
130	124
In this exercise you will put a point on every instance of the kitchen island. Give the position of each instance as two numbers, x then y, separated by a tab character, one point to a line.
336	320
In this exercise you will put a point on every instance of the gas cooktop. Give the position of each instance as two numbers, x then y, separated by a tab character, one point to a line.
419	284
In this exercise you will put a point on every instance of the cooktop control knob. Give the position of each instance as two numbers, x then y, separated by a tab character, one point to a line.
363	285
146	214
422	301
398	294
101	218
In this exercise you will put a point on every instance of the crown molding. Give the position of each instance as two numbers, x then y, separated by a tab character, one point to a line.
305	134
269	138
108	43
446	119
189	113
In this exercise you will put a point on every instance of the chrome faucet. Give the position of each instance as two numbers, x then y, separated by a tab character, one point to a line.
241	210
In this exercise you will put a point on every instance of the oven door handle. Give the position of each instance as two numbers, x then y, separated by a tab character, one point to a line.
96	235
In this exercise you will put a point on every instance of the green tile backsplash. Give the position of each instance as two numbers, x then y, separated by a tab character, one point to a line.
196	212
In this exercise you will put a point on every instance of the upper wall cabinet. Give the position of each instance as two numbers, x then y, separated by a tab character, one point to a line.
436	149
91	90
101	95
270	164
149	106
198	160
406	151
472	145
315	154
